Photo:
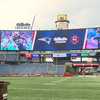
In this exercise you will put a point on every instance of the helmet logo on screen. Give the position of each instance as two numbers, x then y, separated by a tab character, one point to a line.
60	40
75	39
45	39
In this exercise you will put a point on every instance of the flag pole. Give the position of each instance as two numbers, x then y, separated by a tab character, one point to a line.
33	22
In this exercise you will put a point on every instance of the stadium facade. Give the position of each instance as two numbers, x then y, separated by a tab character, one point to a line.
32	52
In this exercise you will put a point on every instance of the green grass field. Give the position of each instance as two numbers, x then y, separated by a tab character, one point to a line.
53	88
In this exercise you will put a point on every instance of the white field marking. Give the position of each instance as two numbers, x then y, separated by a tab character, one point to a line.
42	98
59	81
49	84
48	89
54	82
91	76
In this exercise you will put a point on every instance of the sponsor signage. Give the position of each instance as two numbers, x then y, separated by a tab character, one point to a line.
84	54
75	54
68	55
34	56
59	55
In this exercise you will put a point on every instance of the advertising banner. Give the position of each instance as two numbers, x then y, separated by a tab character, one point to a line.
75	54
35	56
59	55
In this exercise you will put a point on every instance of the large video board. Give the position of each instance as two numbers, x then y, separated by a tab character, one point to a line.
59	40
50	40
16	40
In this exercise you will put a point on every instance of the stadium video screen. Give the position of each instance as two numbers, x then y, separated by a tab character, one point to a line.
17	40
92	38
50	40
59	40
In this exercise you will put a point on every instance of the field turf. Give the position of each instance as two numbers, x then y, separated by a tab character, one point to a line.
53	88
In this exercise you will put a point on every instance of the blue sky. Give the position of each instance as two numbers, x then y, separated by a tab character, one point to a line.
81	13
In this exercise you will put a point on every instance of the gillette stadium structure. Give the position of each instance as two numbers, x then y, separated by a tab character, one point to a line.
50	52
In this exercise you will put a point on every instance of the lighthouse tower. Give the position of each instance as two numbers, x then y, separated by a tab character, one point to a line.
62	22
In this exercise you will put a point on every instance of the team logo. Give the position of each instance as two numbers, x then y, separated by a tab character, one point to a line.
45	39
75	39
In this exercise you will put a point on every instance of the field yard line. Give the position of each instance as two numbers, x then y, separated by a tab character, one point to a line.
54	82
49	84
48	89
42	98
59	81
